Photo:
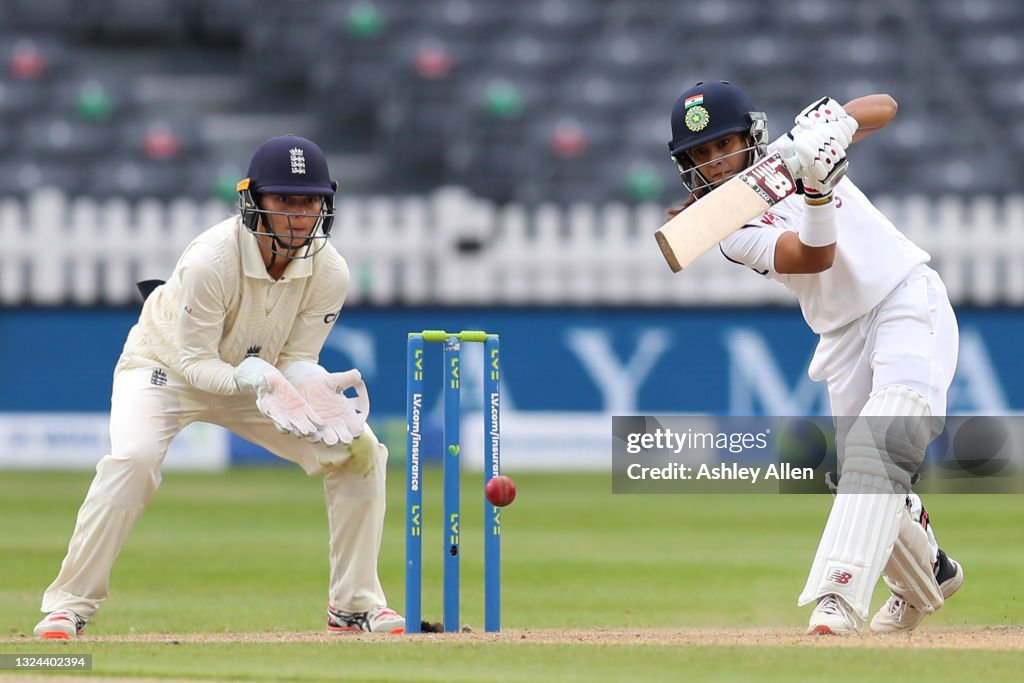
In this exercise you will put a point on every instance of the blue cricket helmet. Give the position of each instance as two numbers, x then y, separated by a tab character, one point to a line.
711	110
290	165
293	166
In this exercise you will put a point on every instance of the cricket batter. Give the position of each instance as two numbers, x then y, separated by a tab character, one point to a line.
233	338
887	350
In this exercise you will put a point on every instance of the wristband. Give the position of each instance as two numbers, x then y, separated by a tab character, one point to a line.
819	227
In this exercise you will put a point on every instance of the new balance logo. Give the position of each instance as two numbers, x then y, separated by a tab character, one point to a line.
253	350
159	378
840	576
298	158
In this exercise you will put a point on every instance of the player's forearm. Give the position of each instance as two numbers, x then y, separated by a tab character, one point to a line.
210	374
793	257
872	112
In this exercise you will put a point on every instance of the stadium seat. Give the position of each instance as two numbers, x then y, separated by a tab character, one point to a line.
483	20
866	51
715	18
617	96
961	176
7	140
978	16
569	156
857	85
65	17
568	21
134	179
1005	97
212	180
640	54
137	22
526	55
639	178
33	58
20	178
1017	138
222	22
812	17
22	98
65	138
988	55
915	135
160	139
293	33
647	132
94	96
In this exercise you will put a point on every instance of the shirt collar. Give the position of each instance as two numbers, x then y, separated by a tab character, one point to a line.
253	266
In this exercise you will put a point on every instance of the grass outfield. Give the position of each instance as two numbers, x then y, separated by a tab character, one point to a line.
225	575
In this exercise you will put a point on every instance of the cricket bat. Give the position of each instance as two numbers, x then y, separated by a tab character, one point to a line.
724	210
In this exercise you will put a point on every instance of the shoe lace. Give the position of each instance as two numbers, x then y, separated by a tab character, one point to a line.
830	605
896	605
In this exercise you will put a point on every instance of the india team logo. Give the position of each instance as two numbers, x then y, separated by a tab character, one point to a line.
697	117
298	158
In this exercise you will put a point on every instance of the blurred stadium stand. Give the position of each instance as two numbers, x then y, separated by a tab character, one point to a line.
529	102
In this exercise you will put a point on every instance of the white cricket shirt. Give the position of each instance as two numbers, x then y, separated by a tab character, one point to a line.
872	257
220	305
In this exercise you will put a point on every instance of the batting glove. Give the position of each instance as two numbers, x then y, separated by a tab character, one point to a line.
784	146
825	110
344	418
276	398
822	158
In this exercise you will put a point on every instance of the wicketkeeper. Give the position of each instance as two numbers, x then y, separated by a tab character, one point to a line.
233	338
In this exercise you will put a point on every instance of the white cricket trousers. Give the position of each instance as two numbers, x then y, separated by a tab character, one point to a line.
910	338
145	415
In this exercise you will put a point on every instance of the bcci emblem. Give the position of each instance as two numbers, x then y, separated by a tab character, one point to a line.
697	118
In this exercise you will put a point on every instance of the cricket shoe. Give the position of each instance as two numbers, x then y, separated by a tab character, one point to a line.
832	617
379	619
897	615
60	625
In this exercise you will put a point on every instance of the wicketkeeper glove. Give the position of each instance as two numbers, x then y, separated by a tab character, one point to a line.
276	398
344	418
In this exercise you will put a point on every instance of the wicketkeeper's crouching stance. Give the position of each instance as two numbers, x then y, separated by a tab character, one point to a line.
233	338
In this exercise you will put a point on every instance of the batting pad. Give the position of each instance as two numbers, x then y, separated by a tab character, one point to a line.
856	543
889	437
884	447
909	570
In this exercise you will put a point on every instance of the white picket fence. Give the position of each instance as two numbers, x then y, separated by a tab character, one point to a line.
451	248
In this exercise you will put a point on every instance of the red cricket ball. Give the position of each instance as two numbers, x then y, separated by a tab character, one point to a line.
500	490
